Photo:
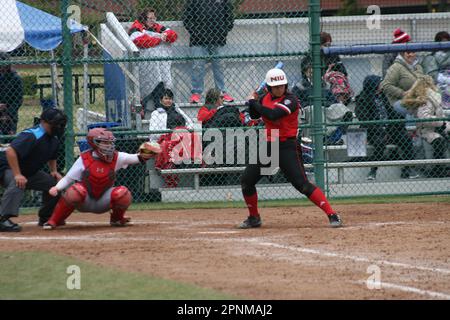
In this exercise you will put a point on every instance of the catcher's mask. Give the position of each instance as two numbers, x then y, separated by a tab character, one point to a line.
56	119
102	142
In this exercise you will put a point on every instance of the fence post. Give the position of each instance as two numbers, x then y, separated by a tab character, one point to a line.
314	41
67	72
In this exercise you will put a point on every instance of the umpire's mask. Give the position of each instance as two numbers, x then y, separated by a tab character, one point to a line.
56	119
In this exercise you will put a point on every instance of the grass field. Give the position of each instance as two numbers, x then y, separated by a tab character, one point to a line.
42	275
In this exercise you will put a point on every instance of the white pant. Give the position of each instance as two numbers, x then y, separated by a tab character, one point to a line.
101	205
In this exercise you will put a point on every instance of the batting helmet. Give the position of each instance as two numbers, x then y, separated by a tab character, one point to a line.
102	142
276	77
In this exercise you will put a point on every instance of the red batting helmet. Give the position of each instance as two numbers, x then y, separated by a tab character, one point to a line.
102	142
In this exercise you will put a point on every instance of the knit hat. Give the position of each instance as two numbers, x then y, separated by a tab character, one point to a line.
401	36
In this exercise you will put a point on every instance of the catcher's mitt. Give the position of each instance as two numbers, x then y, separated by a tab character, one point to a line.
149	149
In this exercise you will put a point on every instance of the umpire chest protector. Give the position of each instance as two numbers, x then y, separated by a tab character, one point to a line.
98	176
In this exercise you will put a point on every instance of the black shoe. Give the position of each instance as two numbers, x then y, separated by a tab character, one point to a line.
6	225
250	222
335	220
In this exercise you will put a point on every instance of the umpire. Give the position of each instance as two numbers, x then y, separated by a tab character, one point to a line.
21	168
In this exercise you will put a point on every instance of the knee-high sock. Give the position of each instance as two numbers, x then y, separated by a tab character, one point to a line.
252	204
62	212
319	199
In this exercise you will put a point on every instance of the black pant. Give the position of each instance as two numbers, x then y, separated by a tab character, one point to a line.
291	164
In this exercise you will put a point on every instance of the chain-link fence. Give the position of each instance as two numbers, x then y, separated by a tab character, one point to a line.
148	69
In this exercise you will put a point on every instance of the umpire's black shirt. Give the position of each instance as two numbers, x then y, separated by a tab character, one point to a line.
34	148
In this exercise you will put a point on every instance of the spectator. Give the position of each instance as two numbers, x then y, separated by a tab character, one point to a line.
11	94
21	164
372	104
400	36
425	99
303	89
153	40
437	65
208	23
214	115
330	62
399	78
167	116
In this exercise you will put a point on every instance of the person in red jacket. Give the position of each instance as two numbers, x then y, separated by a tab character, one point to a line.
153	40
147	33
279	110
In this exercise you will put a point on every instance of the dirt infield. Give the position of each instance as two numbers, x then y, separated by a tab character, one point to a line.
295	255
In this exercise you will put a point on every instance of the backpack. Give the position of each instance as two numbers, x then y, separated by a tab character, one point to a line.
228	116
339	83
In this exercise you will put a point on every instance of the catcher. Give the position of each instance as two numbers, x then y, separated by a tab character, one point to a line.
89	184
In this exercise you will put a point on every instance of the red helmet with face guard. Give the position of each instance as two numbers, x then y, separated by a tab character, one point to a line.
102	142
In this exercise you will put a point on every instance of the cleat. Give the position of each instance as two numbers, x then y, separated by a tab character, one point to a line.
125	221
42	223
195	98
250	222
48	226
227	97
335	220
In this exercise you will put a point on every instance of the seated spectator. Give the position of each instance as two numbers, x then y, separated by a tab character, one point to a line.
437	65
11	95
372	104
303	89
167	116
332	62
178	145
215	115
400	77
153	40
400	36
425	101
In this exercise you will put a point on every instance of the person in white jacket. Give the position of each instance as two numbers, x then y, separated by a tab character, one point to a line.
168	116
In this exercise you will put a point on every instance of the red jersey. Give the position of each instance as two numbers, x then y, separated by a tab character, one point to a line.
98	175
288	124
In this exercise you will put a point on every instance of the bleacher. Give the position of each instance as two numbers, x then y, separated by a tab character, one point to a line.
342	172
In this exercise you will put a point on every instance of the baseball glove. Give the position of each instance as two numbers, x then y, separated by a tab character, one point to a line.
148	150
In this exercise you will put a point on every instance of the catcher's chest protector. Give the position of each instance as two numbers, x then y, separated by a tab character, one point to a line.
98	176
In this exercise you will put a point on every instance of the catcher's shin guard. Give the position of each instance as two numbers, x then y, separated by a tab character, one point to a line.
120	201
73	197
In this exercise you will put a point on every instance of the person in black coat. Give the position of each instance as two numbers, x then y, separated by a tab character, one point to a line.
372	104
208	23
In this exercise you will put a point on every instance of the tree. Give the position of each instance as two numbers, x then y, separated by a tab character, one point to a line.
349	8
